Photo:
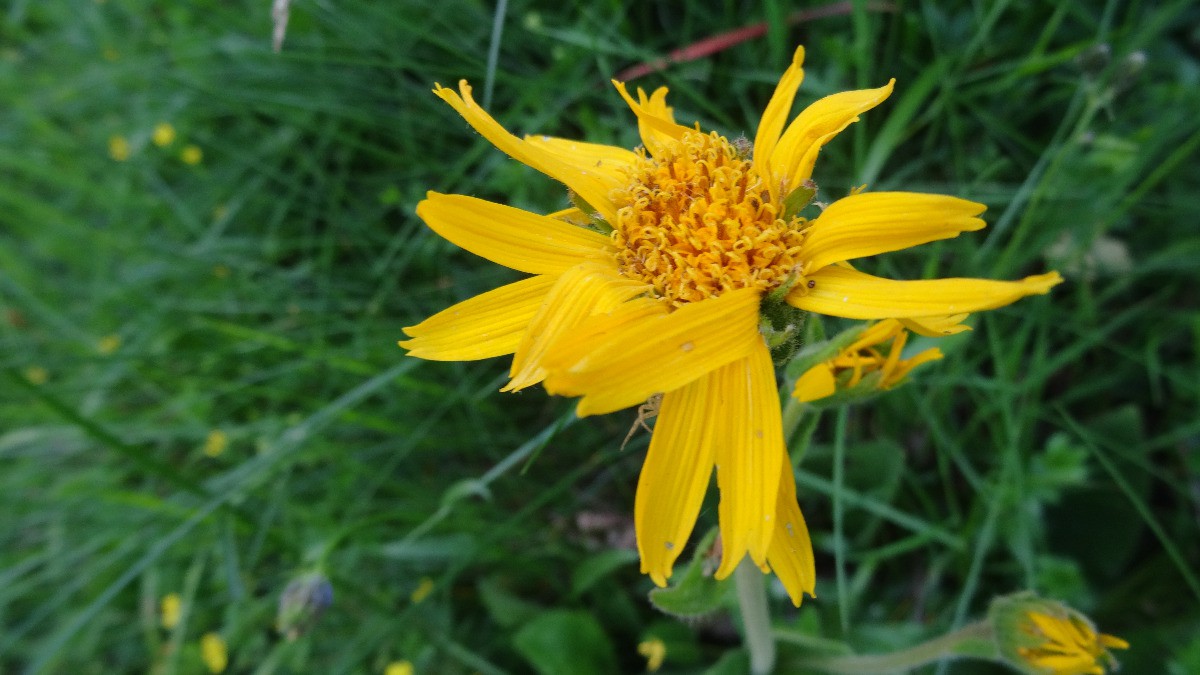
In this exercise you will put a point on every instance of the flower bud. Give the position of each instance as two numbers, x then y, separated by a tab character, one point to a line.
302	602
1043	637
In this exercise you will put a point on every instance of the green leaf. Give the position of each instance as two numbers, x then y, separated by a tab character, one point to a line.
566	641
506	608
696	594
598	566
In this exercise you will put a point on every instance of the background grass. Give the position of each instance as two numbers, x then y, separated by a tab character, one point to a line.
148	302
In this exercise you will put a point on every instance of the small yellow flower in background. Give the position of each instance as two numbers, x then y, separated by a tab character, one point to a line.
399	668
110	54
216	443
118	148
1039	636
171	609
191	155
422	591
37	375
655	651
109	344
220	271
864	358
214	652
164	134
667	277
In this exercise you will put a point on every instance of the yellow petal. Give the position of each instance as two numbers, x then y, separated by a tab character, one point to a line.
1113	642
906	366
778	109
871	223
937	326
582	290
794	156
675	475
609	160
660	133
816	383
597	328
838	291
750	451
791	554
511	237
660	353
593	187
486	325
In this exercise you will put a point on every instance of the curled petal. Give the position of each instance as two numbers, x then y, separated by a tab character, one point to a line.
660	133
593	187
775	116
794	156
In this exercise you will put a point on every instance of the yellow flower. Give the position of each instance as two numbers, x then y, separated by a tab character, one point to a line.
109	344
655	651
214	652
686	245
37	375
192	155
1067	644
118	148
422	591
399	668
864	358
164	134
216	443
172	608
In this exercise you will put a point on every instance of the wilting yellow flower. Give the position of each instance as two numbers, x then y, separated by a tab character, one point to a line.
215	443
214	652
399	668
164	134
191	154
422	591
1067	645
864	358
658	281
655	651
172	608
118	148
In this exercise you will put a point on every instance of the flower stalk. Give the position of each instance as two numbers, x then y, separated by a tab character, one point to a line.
756	617
974	640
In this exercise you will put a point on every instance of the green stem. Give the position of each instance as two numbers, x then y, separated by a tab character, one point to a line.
973	640
756	617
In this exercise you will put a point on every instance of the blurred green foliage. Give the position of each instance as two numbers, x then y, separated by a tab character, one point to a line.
259	292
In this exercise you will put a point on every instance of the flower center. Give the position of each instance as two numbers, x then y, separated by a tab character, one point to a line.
701	223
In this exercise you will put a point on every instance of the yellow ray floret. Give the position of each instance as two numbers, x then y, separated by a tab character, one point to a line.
871	223
749	437
583	290
484	326
838	291
660	353
591	186
512	237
